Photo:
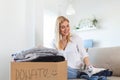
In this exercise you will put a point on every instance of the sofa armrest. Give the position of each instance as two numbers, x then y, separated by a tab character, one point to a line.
108	58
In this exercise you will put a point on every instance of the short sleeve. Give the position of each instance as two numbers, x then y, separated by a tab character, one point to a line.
81	48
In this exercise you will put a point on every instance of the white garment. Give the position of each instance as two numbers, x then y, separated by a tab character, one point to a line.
74	52
90	70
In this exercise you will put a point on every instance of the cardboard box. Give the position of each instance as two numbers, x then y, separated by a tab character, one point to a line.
39	70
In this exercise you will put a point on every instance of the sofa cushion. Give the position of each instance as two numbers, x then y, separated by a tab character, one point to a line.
108	78
113	78
108	58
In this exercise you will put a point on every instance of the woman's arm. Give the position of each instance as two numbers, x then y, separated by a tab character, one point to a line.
88	67
86	61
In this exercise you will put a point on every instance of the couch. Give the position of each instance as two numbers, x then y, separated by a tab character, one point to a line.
108	58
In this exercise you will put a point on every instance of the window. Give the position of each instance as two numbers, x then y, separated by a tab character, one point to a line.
49	27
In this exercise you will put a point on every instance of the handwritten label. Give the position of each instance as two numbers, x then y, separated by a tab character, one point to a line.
37	73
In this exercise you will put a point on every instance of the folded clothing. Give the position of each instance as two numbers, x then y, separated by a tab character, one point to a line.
35	53
101	74
49	59
90	70
106	72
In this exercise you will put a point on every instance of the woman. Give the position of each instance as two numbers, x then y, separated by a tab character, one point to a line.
71	46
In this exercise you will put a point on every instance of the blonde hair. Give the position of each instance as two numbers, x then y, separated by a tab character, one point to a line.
58	36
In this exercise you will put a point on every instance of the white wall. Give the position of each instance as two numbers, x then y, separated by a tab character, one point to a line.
30	21
49	27
15	32
106	11
39	22
108	14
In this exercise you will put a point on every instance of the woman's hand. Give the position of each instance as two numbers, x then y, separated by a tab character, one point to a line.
89	70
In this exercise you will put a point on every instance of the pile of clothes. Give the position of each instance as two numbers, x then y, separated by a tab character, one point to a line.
92	73
38	55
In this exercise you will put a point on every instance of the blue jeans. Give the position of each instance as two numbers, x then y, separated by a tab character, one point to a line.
93	77
73	73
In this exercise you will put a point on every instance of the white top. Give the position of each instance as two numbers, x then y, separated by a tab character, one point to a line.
74	52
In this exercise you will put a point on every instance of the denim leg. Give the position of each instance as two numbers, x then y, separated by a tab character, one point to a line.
72	73
84	77
89	78
94	78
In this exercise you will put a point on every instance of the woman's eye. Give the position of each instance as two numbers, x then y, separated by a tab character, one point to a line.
67	25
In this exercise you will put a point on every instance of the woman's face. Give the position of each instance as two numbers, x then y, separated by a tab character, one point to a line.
64	28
